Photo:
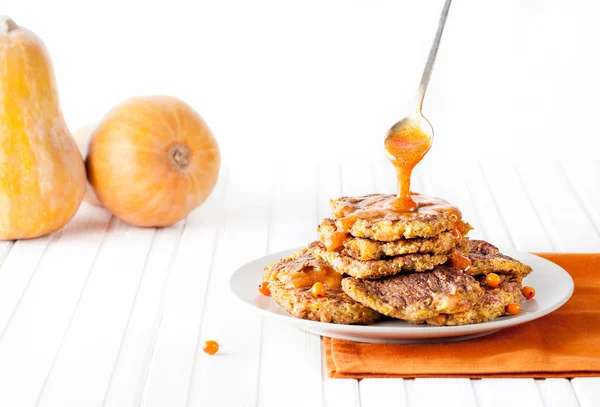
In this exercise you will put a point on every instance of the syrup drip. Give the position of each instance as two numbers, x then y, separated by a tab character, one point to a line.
405	147
459	261
380	208
306	270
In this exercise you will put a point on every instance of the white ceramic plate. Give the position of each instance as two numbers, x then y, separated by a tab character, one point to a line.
553	286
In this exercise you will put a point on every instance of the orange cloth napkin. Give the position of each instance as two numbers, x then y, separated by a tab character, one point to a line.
565	343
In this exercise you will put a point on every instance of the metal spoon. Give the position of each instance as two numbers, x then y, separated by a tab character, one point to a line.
416	119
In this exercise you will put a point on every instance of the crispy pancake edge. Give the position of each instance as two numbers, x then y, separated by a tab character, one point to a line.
418	296
491	306
336	307
486	258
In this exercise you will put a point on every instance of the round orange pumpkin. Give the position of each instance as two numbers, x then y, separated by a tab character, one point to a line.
152	160
42	176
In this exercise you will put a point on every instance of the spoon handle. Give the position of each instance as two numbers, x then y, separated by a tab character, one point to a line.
431	60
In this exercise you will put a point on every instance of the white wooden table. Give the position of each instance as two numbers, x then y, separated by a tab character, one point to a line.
102	313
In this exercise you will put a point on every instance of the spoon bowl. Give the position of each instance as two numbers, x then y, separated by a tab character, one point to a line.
406	144
415	121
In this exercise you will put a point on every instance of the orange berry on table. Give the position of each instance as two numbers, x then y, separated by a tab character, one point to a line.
263	288
210	347
528	292
493	280
318	290
513	308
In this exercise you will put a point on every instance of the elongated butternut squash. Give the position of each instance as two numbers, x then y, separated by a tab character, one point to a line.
42	175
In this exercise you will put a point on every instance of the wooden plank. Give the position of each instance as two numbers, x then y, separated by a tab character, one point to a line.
341	393
409	389
5	248
492	224
283	346
562	215
447	180
32	339
382	393
503	392
522	221
385	179
584	179
293	209
357	180
557	393
16	272
434	392
92	342
130	370
587	390
168	378
243	237
328	187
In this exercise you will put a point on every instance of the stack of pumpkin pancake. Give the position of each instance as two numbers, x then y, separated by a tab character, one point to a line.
416	266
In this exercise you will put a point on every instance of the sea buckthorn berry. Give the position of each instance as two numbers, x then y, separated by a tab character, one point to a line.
318	290
263	288
210	347
513	308
493	280
528	292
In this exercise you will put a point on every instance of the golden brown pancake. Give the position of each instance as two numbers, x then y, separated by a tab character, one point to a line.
486	258
374	269
290	281
366	249
375	220
492	305
417	297
336	307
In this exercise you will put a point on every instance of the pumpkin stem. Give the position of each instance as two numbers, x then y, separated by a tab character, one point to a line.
180	156
7	24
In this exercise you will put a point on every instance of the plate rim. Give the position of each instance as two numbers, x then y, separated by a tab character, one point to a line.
414	330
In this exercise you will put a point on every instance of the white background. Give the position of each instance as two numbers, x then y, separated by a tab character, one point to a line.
324	80
306	81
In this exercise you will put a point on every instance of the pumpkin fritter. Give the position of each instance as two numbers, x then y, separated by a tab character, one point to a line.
417	297
366	249
374	269
486	258
290	281
387	225
492	305
302	269
336	307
